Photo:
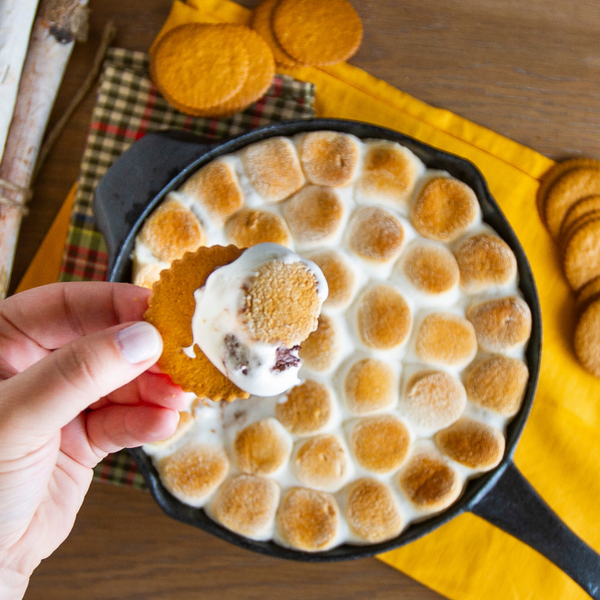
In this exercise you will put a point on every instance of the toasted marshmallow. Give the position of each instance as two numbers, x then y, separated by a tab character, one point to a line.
308	520
498	384
381	443
321	349
485	261
428	480
375	235
329	158
250	227
384	319
471	443
262	447
370	386
193	472
446	339
306	408
273	168
314	215
445	209
501	325
253	313
247	505
321	463
389	174
340	276
171	231
216	190
433	399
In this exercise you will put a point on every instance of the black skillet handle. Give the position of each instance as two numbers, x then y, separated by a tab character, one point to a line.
515	507
137	176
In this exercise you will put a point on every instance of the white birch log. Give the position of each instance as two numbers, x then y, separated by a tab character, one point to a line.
16	19
52	40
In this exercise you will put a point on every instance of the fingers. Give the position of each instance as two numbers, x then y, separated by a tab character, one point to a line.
90	437
48	317
114	427
53	391
150	388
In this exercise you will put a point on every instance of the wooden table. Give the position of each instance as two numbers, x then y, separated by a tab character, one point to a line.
529	69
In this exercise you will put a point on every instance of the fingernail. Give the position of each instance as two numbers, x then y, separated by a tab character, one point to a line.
139	342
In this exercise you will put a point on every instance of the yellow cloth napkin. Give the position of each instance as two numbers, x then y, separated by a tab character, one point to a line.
560	449
45	266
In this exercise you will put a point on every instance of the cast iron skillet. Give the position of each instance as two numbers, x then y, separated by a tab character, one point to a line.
138	181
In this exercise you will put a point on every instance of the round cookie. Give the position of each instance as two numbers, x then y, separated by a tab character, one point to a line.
501	325
445	209
372	511
375	234
259	79
321	348
369	386
171	231
200	65
587	338
193	472
247	504
261	23
434	399
472	444
329	158
568	189
171	308
317	33
590	204
431	268
576	225
484	261
588	293
307	408
321	463
498	384
554	173
314	215
308	520
381	443
250	227
383	318
262	447
581	260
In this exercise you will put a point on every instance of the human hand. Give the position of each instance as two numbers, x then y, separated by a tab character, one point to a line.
74	387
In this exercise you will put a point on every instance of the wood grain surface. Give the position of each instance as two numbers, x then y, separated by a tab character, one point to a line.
529	69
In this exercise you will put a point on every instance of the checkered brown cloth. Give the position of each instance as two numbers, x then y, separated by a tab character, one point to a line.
128	105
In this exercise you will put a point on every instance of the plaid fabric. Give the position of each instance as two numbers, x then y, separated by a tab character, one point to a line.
127	107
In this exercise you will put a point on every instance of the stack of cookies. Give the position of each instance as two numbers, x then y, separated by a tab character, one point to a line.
308	32
218	70
569	204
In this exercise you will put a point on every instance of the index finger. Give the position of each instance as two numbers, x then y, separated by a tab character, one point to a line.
43	319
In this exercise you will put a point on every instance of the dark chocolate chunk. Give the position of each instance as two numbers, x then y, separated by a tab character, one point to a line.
286	358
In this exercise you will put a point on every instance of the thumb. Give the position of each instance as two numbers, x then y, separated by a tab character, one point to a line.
52	392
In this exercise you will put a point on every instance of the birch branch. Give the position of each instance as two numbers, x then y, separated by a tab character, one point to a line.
58	24
16	19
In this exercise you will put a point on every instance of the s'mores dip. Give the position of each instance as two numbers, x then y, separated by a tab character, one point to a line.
414	369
